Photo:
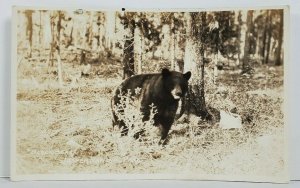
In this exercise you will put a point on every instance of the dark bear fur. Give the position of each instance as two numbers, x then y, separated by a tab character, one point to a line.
161	89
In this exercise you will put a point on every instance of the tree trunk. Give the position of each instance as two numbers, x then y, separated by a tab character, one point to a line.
47	33
100	34
194	62
178	52
89	33
246	65
109	29
29	30
53	41
241	36
59	67
172	46
59	63
55	47
268	38
40	34
216	47
258	37
138	50
278	60
215	60
237	22
265	36
128	51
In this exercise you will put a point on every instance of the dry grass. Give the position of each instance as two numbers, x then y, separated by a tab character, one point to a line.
69	129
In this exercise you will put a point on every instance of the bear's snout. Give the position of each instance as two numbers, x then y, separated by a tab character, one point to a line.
177	92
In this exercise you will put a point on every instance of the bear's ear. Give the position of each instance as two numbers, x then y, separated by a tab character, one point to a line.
187	75
165	72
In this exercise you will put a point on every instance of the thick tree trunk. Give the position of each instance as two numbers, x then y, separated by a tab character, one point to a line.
128	51
179	63
247	41
278	60
194	62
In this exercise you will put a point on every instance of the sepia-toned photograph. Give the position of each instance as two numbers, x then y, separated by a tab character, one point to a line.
156	94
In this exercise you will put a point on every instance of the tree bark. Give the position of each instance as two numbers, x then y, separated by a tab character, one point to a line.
194	62
258	37
268	38
89	33
138	50
55	47
172	45
128	51
278	60
265	36
40	34
53	41
247	41
109	30
241	36
29	30
58	48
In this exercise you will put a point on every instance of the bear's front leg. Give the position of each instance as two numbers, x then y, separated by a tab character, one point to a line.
164	130
166	120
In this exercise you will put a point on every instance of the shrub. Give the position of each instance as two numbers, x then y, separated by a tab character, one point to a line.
127	110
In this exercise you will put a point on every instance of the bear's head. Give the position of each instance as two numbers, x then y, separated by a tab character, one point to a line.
175	82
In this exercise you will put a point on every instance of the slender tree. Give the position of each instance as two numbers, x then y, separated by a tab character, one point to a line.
258	24
128	50
241	35
247	41
138	49
56	27
29	29
278	60
172	45
109	30
268	37
40	32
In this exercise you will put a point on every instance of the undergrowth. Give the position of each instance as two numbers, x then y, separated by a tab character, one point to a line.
69	130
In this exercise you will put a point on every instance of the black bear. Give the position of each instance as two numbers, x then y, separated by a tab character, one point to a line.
164	90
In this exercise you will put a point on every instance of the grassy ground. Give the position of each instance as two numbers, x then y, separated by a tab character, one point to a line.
69	130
